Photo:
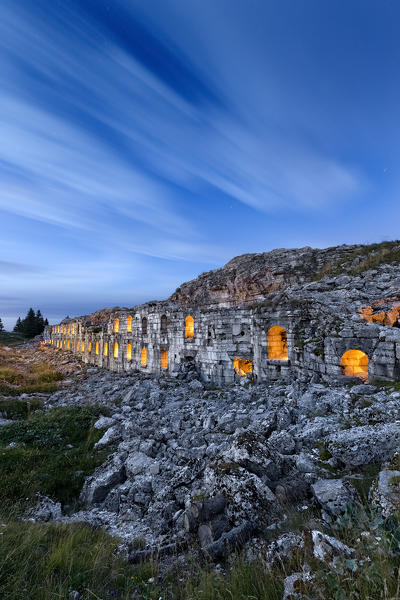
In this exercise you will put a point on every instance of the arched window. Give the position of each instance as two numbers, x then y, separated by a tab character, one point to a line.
164	359
355	364
58	329
97	347
242	366
90	347
64	344
144	326
164	324
67	344
69	328
65	329
129	323
277	343
83	346
73	329
105	348
77	345
143	357
189	327
116	325
129	351
115	350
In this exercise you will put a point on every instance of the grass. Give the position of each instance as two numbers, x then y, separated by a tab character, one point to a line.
363	259
48	561
19	409
53	453
39	378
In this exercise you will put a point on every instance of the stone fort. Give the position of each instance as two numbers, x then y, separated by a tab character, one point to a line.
304	313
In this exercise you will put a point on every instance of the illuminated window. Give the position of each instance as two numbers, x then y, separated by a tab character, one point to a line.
277	344
69	328
105	348
144	326
58	329
189	327
73	329
89	347
116	325
115	350
97	347
65	329
77	345
164	359
83	346
143	357
129	323
129	352
67	344
164	324
242	366
355	364
64	344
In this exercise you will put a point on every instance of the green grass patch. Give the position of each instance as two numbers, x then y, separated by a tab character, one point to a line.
39	378
19	409
53	455
47	561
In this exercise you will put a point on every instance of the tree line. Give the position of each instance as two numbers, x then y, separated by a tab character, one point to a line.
33	324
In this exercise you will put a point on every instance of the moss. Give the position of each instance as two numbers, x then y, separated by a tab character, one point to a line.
324	452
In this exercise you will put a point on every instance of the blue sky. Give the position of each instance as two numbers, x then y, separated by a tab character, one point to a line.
143	143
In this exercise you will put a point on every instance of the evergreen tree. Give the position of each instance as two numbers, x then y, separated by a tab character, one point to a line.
18	326
39	322
29	326
1	325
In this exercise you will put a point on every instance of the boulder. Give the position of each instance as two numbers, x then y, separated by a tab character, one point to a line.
334	495
386	492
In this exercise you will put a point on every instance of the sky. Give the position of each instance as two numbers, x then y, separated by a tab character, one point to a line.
143	143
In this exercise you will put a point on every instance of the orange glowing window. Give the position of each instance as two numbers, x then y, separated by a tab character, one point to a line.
143	357
277	344
129	323
65	329
129	352
355	364
64	344
83	346
69	328
73	329
77	345
164	359
164	324
144	326
58	329
115	350
189	327
116	325
97	347
242	366
105	348
89	347
67	344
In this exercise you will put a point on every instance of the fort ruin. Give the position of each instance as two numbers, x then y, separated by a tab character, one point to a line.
299	326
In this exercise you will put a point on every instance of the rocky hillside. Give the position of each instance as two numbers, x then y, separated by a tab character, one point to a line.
251	277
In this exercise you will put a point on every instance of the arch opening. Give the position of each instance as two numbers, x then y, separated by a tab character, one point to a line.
116	325
143	357
164	324
242	366
129	324
90	347
129	352
164	359
144	326
354	363
277	343
189	327
105	348
115	350
97	347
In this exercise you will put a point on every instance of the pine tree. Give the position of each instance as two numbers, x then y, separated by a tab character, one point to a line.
39	323
1	325
29	324
18	326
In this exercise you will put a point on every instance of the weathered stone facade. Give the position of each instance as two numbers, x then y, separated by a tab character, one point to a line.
320	322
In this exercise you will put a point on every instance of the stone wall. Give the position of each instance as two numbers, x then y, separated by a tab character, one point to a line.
223	334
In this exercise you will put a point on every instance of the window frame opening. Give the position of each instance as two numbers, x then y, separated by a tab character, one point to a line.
189	327
277	344
129	324
144	325
164	324
242	366
128	351
116	325
164	358
105	349
143	357
116	349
